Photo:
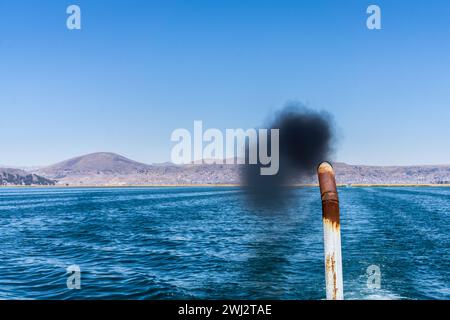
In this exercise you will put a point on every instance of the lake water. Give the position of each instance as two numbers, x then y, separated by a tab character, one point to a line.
172	243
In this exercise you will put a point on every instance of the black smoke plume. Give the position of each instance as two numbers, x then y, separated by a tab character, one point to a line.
305	139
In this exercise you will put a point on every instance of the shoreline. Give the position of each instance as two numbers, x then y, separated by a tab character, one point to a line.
355	185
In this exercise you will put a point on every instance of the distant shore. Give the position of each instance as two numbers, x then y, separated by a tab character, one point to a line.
106	169
356	185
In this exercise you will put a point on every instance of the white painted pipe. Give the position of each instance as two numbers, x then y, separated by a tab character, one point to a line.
331	232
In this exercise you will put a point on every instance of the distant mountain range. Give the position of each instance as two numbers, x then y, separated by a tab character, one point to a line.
112	169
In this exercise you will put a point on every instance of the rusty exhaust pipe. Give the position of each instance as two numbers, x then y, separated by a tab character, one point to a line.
331	232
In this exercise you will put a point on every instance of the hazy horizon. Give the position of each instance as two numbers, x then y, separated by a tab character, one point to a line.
2	165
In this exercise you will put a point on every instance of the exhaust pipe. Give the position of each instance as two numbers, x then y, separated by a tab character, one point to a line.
331	232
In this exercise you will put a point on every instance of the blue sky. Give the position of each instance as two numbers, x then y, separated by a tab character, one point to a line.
137	70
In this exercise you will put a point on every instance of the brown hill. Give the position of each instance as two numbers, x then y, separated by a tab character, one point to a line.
94	164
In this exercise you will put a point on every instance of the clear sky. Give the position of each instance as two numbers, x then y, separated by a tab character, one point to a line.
137	70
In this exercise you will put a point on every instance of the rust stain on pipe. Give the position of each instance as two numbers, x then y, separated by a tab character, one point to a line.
329	195
330	265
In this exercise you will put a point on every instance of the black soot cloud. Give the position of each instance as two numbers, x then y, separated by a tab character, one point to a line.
305	140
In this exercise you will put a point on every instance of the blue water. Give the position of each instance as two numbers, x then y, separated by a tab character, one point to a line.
168	243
